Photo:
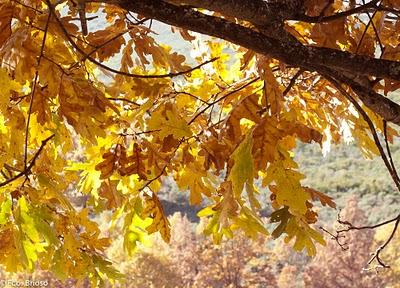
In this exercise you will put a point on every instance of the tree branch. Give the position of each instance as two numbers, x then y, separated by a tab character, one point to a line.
257	12
292	82
27	170
209	105
35	81
392	172
365	8
91	59
291	53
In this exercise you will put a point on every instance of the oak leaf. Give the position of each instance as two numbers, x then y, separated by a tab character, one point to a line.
153	209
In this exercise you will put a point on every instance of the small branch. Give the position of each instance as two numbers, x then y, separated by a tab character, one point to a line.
292	82
376	255
191	95
360	9
34	88
105	44
27	170
164	168
124	100
366	29
222	98
27	6
123	134
388	147
376	32
168	75
352	227
360	110
154	179
336	237
390	10
91	59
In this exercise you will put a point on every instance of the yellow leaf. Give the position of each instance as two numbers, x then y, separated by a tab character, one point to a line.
169	123
242	171
196	180
154	210
305	236
6	85
289	191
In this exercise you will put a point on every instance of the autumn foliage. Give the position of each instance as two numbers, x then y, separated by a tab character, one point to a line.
110	114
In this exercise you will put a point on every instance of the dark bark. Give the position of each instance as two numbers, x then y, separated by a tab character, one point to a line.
337	64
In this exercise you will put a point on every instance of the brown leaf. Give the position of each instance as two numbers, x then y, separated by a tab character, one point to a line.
323	198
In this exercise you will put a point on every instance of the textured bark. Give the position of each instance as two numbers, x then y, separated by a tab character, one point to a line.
386	108
258	12
338	64
292	54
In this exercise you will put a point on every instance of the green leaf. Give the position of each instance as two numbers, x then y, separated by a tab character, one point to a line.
5	211
242	170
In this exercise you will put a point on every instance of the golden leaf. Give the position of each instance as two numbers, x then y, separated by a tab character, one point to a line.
153	209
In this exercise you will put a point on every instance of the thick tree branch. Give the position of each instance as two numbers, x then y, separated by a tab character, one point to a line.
386	108
94	61
257	12
360	110
290	53
293	53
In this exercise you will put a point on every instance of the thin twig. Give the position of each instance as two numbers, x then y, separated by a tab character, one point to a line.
123	100
389	9
292	81
27	6
27	170
124	134
375	30
370	227
387	146
34	88
191	95
336	237
365	30
91	59
164	168
378	251
360	9
105	44
392	173
222	98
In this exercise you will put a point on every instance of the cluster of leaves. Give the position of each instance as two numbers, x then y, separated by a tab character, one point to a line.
153	116
191	260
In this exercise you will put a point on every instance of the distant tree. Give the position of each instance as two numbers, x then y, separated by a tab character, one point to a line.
391	255
288	277
256	77
196	262
338	268
149	270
